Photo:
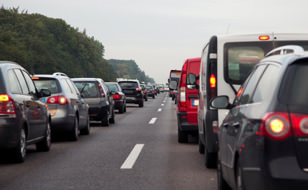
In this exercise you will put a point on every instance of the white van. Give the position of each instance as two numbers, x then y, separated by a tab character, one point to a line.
226	61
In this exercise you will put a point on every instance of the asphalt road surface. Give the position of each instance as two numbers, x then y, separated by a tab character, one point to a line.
139	152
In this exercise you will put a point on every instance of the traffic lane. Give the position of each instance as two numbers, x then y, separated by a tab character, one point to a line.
94	162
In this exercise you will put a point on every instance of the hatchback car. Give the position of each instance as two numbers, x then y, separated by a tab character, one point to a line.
263	141
145	92
118	96
69	111
151	91
132	91
24	119
96	94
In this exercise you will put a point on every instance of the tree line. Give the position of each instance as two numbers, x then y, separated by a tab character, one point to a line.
46	45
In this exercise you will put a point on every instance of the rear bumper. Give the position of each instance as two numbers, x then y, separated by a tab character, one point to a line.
9	132
184	125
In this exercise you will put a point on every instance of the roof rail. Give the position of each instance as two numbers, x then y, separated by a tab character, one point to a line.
59	74
283	50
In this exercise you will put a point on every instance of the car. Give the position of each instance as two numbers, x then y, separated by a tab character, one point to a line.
100	100
145	92
24	118
133	91
187	101
69	111
226	61
263	140
151	91
118	96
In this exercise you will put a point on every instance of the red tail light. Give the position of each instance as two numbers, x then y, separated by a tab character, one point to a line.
213	81
213	86
62	100
139	89
116	96
6	104
300	124
264	37
276	126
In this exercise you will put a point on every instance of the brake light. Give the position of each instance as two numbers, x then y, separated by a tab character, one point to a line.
264	37
183	97
6	104
300	124
213	81
116	96
239	92
276	126
61	100
35	78
139	89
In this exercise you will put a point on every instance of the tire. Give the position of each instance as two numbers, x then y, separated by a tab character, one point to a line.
20	151
141	103
210	158
75	130
221	183
153	96
239	177
182	136
86	130
105	120
201	147
112	119
122	109
45	144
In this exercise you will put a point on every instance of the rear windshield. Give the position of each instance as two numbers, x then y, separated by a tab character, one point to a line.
112	87
128	85
50	84
88	89
240	57
294	90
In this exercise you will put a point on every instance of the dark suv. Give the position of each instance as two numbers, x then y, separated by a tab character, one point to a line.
263	141
133	91
69	111
97	95
24	119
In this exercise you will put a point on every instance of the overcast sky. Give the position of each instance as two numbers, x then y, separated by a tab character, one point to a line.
161	34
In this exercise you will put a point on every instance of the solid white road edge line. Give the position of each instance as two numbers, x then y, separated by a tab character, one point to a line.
132	157
153	120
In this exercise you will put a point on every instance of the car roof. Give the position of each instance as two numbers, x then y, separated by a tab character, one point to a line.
54	75
87	79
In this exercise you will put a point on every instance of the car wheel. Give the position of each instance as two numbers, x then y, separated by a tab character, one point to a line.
221	183
125	108
201	147
86	130
45	144
105	120
182	136
210	158
75	130
21	149
239	177
121	109
153	96
112	119
141	103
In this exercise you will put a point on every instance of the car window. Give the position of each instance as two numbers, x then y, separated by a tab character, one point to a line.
72	86
13	83
29	82
267	83
249	86
22	81
113	87
50	84
128	85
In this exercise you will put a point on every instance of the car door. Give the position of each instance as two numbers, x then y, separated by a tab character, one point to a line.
35	110
233	124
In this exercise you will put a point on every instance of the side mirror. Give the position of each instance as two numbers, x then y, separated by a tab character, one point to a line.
220	102
44	93
191	81
173	85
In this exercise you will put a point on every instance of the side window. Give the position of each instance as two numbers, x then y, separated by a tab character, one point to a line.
72	86
265	86
29	82
13	83
249	86
22	81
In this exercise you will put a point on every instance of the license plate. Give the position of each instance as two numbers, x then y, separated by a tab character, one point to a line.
195	102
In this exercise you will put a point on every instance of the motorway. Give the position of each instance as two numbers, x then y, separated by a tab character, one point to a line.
139	152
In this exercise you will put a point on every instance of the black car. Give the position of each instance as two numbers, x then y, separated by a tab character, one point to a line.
69	111
132	91
118	96
263	141
96	94
151	91
24	118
